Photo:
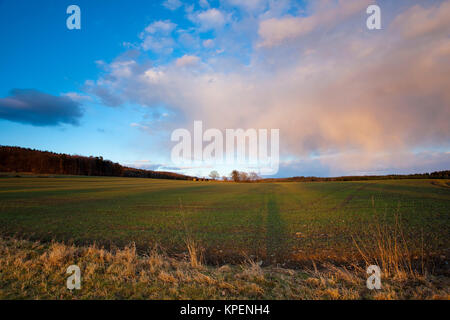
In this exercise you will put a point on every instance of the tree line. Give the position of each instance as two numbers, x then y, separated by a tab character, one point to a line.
240	176
17	159
433	175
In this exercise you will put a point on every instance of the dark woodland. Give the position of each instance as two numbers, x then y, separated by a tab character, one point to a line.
16	159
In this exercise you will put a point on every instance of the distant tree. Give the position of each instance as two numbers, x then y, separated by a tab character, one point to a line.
224	178
214	175
243	176
254	176
235	176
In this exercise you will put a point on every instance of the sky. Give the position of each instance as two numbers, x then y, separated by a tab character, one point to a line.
346	100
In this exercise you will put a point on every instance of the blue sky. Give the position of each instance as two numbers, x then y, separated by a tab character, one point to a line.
43	54
344	101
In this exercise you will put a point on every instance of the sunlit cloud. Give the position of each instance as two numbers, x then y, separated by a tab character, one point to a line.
332	87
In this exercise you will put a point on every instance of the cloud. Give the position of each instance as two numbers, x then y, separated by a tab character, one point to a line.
188	41
209	19
77	97
137	125
172	4
331	86
203	3
30	106
163	27
275	31
107	96
157	37
208	43
418	21
159	45
187	60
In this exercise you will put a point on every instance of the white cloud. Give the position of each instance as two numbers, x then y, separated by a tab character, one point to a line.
209	19
157	37
172	4
158	44
162	27
189	41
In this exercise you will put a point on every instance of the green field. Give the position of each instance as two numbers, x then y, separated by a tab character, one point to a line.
272	221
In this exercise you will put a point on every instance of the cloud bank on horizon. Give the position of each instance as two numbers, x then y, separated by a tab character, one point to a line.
347	100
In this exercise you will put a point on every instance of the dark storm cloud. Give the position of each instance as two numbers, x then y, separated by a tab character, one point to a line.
30	106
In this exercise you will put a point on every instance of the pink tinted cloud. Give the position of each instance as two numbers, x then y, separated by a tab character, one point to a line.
328	84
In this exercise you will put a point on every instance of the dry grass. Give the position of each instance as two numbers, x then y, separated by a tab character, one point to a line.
33	270
195	253
385	245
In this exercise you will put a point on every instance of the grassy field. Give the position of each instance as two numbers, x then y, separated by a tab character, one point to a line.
167	239
273	222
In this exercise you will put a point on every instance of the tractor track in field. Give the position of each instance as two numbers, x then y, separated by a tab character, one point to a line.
349	198
327	195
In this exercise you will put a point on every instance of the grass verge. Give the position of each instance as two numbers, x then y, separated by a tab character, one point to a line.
34	270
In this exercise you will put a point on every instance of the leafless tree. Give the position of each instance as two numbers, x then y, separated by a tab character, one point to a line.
214	175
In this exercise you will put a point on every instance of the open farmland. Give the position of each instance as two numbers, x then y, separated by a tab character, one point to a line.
278	223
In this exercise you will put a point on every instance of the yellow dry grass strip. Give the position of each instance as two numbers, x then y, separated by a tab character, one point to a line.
32	270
